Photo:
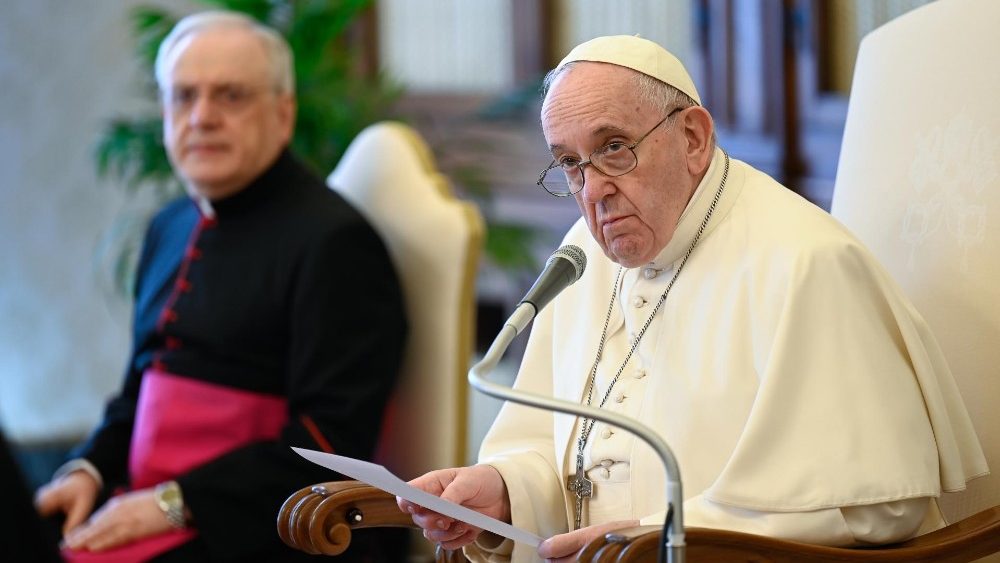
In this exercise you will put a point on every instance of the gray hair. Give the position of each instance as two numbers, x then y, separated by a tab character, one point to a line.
279	55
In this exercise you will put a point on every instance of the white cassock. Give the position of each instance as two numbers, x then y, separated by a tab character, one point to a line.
802	394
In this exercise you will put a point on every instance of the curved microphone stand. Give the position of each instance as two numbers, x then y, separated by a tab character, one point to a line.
672	546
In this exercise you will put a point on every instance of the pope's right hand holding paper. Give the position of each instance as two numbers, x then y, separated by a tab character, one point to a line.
478	487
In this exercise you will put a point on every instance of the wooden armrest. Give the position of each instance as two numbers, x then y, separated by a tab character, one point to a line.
961	542
319	519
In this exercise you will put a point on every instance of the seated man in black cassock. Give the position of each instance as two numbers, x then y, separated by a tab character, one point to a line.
267	315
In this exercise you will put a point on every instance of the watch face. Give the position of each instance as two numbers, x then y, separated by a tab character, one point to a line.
171	495
171	502
168	495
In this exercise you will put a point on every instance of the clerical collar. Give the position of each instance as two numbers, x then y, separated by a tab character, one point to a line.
264	187
691	217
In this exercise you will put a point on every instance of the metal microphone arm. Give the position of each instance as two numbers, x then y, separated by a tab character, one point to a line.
673	545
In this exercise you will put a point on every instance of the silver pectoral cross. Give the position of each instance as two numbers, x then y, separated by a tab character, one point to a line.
583	488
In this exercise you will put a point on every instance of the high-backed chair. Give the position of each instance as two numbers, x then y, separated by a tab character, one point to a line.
434	240
919	183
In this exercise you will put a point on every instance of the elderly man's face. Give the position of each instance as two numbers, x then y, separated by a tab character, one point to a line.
632	216
224	124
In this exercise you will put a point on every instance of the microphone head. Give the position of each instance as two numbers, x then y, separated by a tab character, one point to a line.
562	269
575	255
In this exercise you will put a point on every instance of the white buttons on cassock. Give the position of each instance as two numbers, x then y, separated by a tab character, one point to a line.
620	398
606	433
638	301
606	468
650	273
640	373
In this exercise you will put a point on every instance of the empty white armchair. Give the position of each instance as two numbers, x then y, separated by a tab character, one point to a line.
434	240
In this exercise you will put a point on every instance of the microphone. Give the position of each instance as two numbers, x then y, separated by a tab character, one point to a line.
562	269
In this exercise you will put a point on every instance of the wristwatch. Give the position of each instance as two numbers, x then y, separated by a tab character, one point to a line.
171	502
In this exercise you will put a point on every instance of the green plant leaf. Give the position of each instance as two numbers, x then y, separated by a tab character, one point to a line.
149	27
261	10
131	151
509	245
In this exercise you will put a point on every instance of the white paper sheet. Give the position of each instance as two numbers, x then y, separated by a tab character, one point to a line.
378	476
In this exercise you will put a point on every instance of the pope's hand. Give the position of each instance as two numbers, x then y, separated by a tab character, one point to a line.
72	494
566	547
479	487
123	519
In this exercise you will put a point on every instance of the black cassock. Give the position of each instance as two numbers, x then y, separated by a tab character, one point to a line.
286	294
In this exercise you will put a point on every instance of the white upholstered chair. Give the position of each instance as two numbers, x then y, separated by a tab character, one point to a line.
388	174
919	183
434	240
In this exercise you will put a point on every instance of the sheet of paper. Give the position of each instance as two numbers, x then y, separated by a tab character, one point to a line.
380	477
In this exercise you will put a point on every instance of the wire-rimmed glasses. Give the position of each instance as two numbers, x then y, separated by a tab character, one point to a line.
565	176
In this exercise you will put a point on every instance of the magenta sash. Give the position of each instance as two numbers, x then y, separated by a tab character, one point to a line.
180	424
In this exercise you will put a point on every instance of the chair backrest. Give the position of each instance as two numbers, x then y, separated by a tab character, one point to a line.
919	183
434	240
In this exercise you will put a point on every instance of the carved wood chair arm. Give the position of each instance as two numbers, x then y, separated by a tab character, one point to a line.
319	519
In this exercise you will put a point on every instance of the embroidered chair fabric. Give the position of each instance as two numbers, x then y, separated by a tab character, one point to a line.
434	239
919	183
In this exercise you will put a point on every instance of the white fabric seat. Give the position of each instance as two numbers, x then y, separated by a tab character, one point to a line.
434	240
919	183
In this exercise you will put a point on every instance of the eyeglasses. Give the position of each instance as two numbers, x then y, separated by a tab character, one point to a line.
227	98
565	177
